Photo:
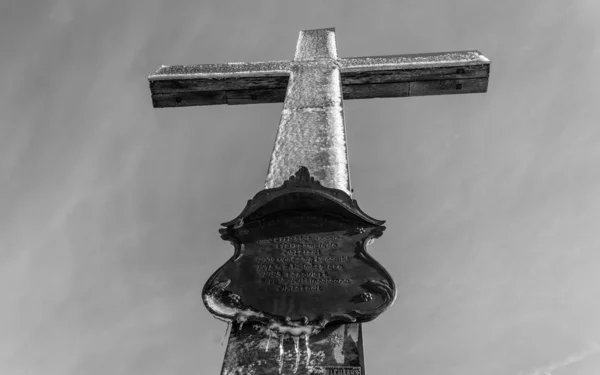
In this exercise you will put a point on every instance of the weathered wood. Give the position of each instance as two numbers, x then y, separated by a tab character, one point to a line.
415	88
364	85
355	85
231	97
448	87
414	74
218	84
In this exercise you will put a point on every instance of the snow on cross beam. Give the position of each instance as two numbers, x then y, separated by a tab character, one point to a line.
441	73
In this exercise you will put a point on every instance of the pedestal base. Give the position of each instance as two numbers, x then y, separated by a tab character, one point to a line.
336	350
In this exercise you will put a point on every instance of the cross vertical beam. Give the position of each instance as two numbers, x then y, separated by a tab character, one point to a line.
311	130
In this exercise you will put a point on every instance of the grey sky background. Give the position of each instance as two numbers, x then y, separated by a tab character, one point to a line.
109	209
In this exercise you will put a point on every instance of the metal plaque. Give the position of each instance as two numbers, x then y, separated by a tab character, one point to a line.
300	260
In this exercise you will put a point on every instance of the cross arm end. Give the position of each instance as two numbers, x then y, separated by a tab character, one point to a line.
459	72
210	84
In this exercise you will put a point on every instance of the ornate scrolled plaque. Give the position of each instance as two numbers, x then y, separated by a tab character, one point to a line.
300	261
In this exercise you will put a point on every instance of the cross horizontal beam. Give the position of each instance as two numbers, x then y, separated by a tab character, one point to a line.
460	72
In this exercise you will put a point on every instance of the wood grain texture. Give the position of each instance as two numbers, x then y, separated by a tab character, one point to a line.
471	78
231	97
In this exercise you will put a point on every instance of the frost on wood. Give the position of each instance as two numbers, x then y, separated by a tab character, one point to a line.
346	65
316	45
311	130
460	58
240	69
362	77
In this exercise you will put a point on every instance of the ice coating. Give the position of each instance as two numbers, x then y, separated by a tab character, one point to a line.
293	356
307	350
216	305
294	331
234	69
297	349
311	130
227	332
269	341
281	353
316	44
346	64
352	64
484	59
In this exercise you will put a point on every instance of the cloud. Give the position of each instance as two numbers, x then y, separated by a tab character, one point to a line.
573	358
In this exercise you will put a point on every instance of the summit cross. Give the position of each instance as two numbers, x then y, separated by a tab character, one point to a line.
308	171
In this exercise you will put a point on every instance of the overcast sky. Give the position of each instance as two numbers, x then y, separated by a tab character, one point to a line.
109	209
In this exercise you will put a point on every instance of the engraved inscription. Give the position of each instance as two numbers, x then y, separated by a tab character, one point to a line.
300	263
340	370
300	256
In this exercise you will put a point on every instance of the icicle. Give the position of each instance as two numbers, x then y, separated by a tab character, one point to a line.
297	347
241	325
227	331
307	350
269	340
280	353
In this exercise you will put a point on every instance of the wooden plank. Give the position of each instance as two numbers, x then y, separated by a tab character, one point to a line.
418	88
379	90
355	85
448	87
166	86
415	74
231	97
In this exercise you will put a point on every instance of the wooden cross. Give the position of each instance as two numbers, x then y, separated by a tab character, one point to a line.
312	134
444	73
